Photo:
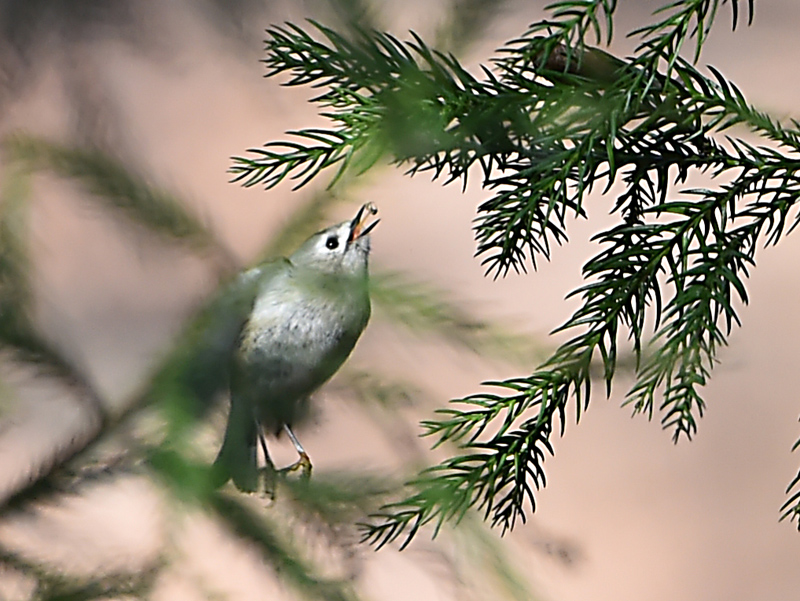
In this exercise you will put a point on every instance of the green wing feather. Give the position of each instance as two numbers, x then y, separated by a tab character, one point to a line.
237	458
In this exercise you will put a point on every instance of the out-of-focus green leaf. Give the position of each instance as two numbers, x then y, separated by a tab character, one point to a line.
367	387
337	498
187	480
382	399
278	554
465	23
423	309
55	585
115	186
18	332
14	260
302	223
489	558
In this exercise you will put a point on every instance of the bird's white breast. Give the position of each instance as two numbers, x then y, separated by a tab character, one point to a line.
297	322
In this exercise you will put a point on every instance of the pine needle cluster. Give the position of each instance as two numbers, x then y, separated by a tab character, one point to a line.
553	117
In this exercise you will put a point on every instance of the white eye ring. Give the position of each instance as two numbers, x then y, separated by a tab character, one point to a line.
332	242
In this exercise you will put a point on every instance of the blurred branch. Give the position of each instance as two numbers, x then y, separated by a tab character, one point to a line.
356	15
303	222
117	188
487	555
52	585
18	334
381	399
368	388
423	309
337	498
276	553
121	190
466	21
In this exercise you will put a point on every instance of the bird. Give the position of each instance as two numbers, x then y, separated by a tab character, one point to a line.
300	319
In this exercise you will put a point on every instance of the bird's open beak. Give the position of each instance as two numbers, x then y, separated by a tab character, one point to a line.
359	227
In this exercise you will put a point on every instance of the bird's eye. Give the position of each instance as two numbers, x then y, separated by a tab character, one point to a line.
332	242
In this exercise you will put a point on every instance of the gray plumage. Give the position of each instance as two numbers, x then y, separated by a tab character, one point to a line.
303	317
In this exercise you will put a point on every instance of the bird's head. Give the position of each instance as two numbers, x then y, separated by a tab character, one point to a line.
342	248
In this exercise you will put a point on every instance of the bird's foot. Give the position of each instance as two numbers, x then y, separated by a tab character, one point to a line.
303	464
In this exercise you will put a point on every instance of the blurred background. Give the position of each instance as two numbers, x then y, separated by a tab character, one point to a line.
172	90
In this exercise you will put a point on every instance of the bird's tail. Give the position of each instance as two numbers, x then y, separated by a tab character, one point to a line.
238	458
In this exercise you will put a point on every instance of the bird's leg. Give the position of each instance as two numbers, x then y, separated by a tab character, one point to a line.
268	471
304	463
263	442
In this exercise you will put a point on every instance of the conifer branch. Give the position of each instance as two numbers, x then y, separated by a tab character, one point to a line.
552	119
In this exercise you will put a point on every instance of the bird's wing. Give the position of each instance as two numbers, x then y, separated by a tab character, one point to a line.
199	366
237	458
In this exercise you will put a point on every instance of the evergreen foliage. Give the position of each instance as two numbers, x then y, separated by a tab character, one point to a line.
185	387
553	118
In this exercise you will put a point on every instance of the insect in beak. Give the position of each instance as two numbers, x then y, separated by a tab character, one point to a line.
358	227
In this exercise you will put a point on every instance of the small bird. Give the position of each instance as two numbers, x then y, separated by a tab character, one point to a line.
304	315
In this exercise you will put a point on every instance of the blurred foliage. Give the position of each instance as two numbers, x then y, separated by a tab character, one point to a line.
423	309
160	432
553	117
18	334
113	184
550	120
192	377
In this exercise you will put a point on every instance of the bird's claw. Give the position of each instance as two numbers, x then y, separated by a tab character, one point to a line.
303	464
